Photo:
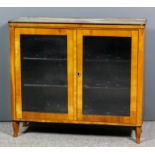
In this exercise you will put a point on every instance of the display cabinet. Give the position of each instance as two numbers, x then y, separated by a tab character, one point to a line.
84	71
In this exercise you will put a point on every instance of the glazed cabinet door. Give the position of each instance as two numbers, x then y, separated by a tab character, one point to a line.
44	74
107	75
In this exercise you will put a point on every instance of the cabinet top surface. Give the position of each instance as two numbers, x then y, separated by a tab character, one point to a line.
113	21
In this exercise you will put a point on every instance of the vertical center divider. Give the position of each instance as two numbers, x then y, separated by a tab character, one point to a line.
79	70
75	74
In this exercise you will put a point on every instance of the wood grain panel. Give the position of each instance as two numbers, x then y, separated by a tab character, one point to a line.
134	54
140	78
79	26
12	72
44	117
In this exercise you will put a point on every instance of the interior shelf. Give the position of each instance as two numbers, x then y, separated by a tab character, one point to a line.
44	72
104	87
86	60
44	59
43	85
84	86
107	60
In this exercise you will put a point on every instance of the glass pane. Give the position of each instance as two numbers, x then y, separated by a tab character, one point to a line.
44	73
106	75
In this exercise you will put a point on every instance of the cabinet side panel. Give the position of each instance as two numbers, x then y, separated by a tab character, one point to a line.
12	70
140	78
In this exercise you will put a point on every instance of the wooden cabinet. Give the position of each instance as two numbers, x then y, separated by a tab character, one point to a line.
86	71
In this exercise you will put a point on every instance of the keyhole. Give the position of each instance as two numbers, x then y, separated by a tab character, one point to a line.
78	74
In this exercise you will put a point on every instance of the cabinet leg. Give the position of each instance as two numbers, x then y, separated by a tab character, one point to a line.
138	134
15	125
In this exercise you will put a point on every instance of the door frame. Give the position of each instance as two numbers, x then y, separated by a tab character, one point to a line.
133	33
17	112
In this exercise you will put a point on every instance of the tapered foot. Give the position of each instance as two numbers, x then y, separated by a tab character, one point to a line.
138	134
15	125
25	124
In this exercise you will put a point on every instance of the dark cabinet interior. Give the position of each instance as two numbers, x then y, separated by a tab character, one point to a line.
44	73
106	75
